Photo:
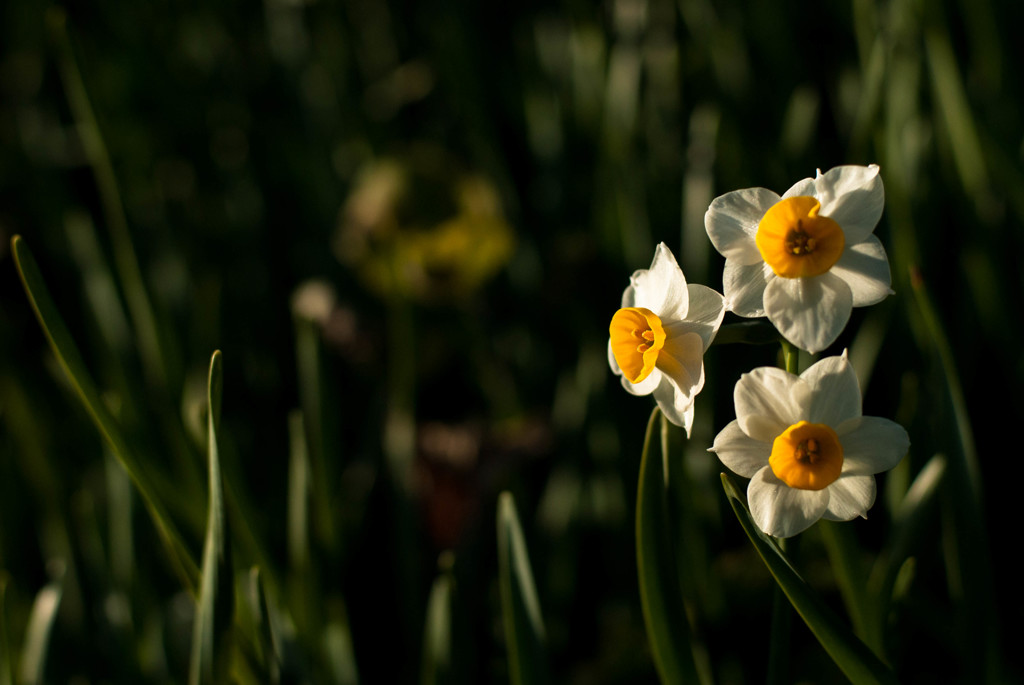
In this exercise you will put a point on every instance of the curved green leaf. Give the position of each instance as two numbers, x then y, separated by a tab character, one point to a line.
660	595
849	653
71	361
524	627
214	622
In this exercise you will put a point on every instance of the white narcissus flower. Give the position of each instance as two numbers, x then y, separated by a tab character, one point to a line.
807	258
805	446
658	338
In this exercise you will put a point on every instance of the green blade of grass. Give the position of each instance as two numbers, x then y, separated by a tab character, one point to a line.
37	634
956	113
969	565
71	362
660	595
304	588
437	634
318	405
299	477
915	511
262	626
337	646
524	627
850	654
214	623
152	345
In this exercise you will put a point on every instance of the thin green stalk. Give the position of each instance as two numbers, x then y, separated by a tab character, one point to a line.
791	357
151	343
160	360
314	389
661	600
781	630
782	614
213	628
525	636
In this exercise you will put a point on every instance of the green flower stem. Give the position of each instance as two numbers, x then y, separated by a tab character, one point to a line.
791	357
782	629
782	614
661	600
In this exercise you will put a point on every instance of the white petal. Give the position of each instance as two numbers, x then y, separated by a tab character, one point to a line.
809	312
662	288
850	497
853	196
644	387
681	360
732	219
707	308
782	511
741	454
865	268
677	407
768	401
802	188
629	295
835	392
744	287
687	419
871	445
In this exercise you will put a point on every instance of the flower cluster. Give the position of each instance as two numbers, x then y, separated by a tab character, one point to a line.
803	260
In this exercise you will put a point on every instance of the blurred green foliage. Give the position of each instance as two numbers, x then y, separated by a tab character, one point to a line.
188	178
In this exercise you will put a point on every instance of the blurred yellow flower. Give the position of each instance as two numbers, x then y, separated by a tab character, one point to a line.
418	228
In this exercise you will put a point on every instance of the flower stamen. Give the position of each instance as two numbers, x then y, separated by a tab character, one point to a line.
797	242
807	456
